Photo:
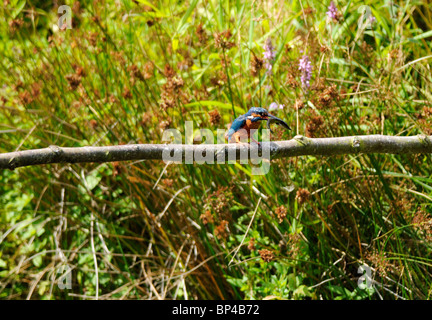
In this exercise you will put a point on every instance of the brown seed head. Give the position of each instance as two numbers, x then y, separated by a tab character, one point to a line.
256	65
127	94
92	38
302	195
329	95
165	124
169	71
74	80
202	35
266	255
148	70
26	97
222	40
207	217
281	213
221	231
146	118
298	105
314	125
134	72
215	117
15	24
291	81
251	245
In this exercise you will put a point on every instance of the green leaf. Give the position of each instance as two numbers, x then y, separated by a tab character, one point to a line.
93	180
19	7
149	4
43	286
37	261
181	26
175	44
214	104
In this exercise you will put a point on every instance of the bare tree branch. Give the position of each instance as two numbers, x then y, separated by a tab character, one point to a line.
298	146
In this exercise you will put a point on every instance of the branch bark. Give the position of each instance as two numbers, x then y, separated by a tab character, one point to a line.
298	146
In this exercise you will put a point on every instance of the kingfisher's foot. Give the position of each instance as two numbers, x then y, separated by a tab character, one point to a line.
257	142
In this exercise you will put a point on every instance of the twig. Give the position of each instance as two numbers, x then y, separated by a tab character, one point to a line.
94	255
247	230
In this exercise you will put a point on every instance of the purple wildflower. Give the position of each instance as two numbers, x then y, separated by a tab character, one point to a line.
269	55
275	106
332	12
305	67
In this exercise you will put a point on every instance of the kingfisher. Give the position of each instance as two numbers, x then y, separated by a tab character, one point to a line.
251	120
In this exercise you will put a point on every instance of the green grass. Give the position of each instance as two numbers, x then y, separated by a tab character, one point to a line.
147	230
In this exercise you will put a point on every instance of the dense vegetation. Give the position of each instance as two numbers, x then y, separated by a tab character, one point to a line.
127	70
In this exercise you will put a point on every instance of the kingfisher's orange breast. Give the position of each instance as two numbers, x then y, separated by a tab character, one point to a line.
251	125
239	136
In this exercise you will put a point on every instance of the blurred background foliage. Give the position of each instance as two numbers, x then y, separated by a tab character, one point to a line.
127	70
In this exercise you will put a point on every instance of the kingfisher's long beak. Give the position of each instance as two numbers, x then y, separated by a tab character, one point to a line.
278	121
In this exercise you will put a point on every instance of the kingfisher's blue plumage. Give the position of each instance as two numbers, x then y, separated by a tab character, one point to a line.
240	122
250	120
